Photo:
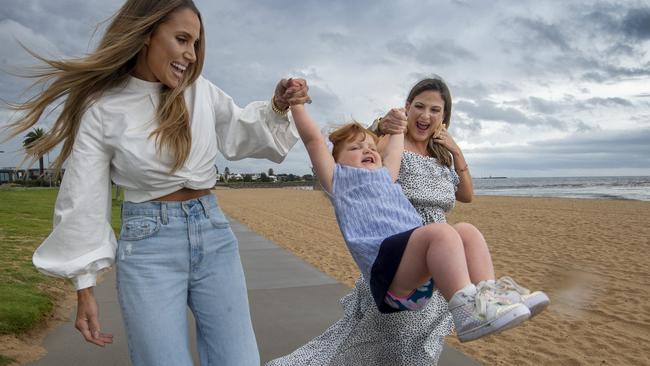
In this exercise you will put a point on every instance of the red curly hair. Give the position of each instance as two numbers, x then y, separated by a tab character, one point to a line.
348	133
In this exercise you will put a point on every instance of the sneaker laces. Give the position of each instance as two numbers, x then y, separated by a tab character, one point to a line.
506	283
482	299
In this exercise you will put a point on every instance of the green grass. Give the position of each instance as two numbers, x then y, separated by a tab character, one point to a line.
26	296
21	306
6	360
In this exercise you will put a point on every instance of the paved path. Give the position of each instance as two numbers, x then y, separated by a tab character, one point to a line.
273	276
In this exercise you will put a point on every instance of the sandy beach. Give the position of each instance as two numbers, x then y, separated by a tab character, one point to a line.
589	256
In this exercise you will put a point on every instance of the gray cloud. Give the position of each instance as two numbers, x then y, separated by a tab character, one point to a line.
487	110
541	35
578	152
636	23
490	111
591	41
401	47
326	104
338	40
542	105
431	51
624	49
602	18
604	71
611	143
608	102
582	127
465	129
571	104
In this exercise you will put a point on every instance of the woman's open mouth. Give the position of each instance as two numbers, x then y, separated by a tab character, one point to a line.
422	127
178	69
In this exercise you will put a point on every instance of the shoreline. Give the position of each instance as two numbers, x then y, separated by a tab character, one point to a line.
477	192
595	198
308	186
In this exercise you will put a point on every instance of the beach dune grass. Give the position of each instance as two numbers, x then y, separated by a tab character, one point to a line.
27	297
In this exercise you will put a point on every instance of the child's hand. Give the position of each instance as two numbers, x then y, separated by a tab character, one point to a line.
394	122
291	91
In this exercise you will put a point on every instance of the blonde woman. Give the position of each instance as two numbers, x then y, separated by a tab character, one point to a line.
138	112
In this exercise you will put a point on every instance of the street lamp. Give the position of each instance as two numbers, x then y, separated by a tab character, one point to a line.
1	151
49	173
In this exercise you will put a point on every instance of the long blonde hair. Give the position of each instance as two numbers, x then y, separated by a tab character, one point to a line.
82	80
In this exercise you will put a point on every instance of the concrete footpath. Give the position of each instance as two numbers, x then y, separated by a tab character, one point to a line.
291	302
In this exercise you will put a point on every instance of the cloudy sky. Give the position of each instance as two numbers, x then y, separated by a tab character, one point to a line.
540	88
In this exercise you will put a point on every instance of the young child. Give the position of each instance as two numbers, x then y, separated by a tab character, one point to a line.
401	258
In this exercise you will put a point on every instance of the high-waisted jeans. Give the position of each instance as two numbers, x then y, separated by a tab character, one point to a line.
172	255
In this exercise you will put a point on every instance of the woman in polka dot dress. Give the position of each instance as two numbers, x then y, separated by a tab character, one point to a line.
433	175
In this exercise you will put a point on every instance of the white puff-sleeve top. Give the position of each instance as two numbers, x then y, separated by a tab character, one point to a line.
113	143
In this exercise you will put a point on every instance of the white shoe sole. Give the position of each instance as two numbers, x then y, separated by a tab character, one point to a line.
510	319
536	302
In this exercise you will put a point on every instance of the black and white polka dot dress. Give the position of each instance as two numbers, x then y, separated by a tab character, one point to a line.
429	185
364	336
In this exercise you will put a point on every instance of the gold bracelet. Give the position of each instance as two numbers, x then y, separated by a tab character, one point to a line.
374	127
276	109
462	170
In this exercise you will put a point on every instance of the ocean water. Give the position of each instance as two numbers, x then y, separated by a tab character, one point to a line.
622	188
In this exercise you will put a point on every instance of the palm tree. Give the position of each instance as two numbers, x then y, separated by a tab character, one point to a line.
30	139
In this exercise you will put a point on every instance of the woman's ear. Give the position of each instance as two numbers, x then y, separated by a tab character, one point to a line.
406	108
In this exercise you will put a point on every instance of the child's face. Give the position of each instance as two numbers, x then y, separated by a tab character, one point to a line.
360	153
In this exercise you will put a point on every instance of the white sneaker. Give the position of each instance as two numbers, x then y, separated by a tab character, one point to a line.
506	289
478	313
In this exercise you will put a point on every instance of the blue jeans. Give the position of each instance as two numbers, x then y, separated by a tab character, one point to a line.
172	255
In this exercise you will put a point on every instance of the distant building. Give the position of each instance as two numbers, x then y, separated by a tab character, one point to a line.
8	175
14	175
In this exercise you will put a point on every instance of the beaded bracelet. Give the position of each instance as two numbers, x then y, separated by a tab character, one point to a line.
276	109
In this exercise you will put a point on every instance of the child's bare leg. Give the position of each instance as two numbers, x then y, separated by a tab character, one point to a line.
477	254
435	250
479	265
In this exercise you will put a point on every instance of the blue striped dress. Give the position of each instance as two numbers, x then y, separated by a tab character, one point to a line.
369	208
